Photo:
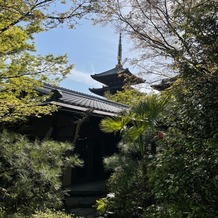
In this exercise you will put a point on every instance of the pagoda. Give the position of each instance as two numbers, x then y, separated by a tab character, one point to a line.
115	79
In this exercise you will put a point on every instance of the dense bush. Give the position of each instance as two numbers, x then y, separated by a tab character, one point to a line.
30	173
180	179
127	186
184	177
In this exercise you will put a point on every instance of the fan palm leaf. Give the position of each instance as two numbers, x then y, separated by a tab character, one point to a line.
114	124
136	121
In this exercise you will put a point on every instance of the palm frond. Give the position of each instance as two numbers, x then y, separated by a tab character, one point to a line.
136	130
150	108
114	124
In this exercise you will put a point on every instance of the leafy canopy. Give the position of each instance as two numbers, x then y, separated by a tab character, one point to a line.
128	96
184	32
21	70
182	176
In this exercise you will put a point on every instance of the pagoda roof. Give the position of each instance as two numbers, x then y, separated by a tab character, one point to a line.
165	83
114	73
115	78
101	91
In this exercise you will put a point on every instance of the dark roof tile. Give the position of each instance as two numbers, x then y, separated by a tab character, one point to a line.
82	102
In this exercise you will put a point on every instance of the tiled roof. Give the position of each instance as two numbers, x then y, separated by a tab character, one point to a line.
74	100
101	91
113	73
165	83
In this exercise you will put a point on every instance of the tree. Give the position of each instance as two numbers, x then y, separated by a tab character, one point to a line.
139	130
128	96
21	71
184	31
30	173
182	175
141	118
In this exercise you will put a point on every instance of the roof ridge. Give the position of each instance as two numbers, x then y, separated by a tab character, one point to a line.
115	68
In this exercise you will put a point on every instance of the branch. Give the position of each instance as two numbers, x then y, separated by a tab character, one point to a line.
87	114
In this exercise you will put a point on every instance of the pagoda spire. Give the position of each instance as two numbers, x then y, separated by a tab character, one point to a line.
119	56
114	79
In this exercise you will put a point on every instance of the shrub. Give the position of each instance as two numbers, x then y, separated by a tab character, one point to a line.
30	173
184	177
51	214
38	214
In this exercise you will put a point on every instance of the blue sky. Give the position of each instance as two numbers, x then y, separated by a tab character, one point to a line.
92	49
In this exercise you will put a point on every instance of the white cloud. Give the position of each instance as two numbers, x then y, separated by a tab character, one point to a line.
84	78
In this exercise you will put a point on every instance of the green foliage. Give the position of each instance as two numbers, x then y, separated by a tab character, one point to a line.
31	173
43	14
114	124
182	176
180	180
128	181
38	214
141	118
21	70
129	96
126	185
101	206
51	214
183	31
